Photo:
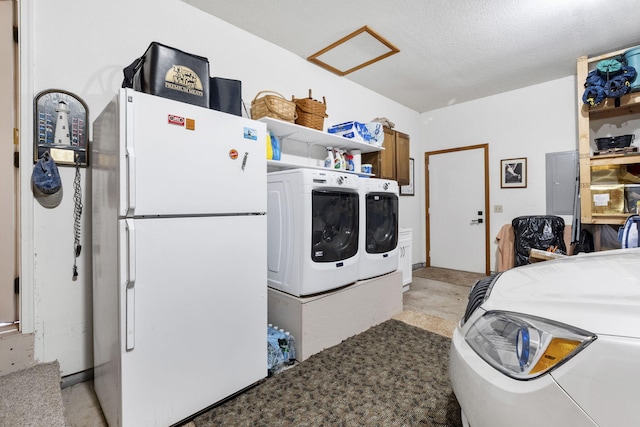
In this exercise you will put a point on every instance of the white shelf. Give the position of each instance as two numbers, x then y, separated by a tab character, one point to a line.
276	165
292	131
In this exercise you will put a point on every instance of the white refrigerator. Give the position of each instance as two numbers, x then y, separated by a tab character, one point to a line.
179	258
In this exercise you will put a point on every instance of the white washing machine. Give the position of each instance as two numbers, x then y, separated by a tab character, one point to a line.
378	227
312	230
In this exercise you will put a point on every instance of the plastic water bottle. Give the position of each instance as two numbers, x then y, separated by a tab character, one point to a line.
274	355
275	146
292	350
284	345
275	359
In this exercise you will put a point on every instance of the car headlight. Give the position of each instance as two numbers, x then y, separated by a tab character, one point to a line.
522	346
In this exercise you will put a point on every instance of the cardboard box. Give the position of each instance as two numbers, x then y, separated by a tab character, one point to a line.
352	130
368	133
631	197
607	199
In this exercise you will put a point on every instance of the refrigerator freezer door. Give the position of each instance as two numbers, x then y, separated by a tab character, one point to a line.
200	315
180	159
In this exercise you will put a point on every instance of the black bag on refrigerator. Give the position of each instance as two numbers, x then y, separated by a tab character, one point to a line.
170	73
226	95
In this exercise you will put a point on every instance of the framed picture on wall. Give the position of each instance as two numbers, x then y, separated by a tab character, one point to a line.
61	127
513	173
408	190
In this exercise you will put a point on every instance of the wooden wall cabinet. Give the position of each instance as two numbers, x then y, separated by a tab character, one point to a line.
393	161
593	210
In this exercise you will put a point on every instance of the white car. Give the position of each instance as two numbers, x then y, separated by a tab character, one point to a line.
555	343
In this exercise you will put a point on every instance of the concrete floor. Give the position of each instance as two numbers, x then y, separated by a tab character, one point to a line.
439	299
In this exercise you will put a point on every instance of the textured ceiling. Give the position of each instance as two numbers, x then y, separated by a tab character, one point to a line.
451	51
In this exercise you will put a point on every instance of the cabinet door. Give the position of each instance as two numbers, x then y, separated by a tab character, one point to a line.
387	166
404	243
393	161
402	158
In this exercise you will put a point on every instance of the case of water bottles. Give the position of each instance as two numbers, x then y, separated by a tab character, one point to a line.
280	349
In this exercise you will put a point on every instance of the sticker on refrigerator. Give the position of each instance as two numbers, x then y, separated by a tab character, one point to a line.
250	133
191	124
233	154
176	120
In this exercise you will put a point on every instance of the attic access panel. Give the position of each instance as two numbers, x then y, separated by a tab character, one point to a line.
357	50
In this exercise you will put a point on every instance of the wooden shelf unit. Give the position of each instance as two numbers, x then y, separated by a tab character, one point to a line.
629	104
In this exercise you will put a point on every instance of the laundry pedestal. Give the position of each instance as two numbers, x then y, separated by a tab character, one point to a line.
321	321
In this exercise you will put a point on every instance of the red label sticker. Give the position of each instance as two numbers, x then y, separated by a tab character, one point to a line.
176	120
233	154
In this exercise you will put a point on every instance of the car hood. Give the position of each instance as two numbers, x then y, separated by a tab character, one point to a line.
598	292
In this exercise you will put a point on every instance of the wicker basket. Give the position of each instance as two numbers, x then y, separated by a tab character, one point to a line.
273	105
311	113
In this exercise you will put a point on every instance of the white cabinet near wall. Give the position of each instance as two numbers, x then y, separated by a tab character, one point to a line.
404	248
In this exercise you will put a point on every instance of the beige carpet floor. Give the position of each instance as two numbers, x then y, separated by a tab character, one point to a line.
437	299
455	277
427	322
32	398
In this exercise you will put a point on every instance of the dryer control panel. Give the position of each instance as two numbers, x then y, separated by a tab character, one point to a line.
333	179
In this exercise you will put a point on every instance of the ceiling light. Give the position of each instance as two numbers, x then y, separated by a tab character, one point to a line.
357	50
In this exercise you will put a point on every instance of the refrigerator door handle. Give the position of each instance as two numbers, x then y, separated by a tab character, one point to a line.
131	315
131	281
131	251
131	179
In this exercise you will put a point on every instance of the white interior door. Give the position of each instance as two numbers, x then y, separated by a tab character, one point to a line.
457	219
8	272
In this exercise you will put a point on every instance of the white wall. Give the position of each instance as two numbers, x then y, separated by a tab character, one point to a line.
81	46
528	122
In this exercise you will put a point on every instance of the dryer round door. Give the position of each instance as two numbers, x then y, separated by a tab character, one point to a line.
334	225
381	222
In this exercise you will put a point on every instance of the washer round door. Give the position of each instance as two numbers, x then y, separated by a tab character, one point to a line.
334	225
381	222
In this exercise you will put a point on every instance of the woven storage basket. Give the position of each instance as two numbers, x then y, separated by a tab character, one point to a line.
273	105
311	113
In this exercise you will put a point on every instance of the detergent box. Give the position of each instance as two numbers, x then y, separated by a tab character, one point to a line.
352	130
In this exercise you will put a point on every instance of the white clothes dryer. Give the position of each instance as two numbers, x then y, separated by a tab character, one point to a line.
378	227
313	224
